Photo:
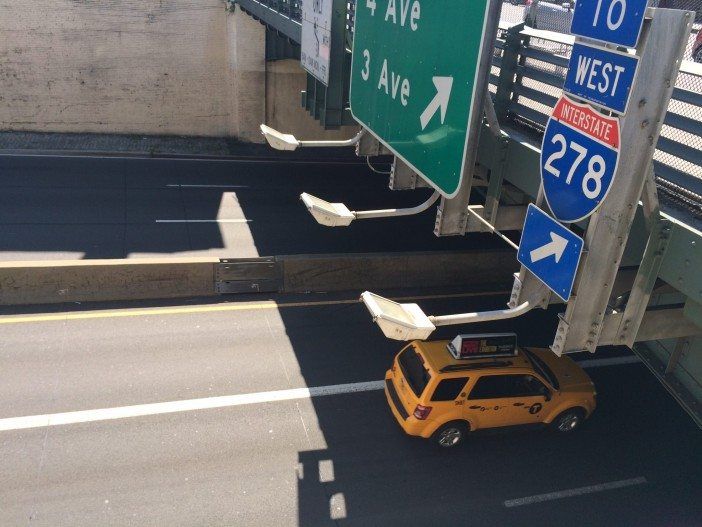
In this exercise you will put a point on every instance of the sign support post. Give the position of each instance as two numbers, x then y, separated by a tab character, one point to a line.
452	214
661	49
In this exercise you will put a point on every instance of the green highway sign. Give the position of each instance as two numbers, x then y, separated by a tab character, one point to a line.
414	76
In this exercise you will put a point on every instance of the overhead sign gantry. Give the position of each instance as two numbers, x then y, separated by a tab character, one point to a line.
415	79
587	156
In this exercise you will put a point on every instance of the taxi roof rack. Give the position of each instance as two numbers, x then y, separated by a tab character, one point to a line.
476	366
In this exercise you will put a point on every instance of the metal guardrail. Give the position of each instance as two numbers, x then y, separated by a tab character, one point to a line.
281	16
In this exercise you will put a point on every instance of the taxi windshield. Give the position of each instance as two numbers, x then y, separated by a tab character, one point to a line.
413	370
541	367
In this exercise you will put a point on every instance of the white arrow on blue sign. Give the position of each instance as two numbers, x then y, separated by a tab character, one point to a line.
612	21
579	158
601	76
550	251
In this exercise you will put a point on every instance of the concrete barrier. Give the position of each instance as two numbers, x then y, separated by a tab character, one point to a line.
25	283
397	270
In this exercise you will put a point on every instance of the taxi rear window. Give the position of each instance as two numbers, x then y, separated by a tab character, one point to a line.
413	370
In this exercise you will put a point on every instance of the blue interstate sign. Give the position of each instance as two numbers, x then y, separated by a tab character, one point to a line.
601	76
579	157
611	21
550	251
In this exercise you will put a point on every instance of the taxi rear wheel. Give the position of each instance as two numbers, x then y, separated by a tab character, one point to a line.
568	421
450	435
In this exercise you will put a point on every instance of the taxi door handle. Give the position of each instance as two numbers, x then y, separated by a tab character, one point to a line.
518	404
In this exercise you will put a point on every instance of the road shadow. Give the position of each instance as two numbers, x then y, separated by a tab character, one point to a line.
371	473
87	208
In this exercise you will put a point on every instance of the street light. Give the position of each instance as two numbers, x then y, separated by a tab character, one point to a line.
339	215
398	321
408	321
289	142
329	214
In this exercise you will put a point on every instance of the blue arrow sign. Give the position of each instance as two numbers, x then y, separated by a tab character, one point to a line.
611	21
579	157
601	76
550	251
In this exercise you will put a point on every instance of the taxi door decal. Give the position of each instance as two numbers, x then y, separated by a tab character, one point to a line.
535	408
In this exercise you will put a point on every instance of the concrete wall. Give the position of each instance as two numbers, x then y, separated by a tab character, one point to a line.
284	111
162	67
130	66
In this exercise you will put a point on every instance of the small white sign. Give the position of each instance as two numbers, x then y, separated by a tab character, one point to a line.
315	47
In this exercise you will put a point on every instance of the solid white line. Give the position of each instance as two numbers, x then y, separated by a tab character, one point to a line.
204	221
121	412
614	361
529	500
269	160
175	185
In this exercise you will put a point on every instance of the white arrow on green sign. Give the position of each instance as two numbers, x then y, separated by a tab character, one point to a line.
413	80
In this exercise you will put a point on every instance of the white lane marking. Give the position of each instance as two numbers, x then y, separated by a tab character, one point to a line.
176	185
529	500
104	414
204	221
175	157
613	361
121	412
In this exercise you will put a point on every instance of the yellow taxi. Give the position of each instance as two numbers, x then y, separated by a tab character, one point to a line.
441	390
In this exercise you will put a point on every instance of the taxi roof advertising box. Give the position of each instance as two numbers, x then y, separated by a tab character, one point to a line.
483	346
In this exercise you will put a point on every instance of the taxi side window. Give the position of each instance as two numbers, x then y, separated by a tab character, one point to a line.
449	389
500	386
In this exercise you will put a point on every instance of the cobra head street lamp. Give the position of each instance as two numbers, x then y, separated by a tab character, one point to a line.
398	321
408	321
329	214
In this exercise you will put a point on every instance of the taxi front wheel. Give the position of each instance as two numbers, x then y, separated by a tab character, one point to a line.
450	435
568	421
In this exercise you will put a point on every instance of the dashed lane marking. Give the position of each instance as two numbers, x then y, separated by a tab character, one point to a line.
207	403
612	361
121	412
561	494
243	220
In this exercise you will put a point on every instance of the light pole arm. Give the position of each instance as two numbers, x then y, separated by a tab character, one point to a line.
392	213
483	316
289	142
330	144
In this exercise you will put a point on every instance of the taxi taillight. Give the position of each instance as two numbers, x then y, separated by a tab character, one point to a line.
422	412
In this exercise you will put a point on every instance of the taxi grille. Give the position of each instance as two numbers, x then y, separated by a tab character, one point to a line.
396	399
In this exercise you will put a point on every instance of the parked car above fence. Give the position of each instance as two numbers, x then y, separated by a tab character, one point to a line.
697	48
549	16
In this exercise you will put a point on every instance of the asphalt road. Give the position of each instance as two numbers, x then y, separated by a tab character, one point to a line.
90	207
280	457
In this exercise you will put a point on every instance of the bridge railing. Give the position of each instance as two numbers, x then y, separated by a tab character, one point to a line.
528	73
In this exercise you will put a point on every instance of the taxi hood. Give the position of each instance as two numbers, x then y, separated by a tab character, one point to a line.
570	376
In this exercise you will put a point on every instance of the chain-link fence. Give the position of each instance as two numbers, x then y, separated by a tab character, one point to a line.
556	15
543	63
